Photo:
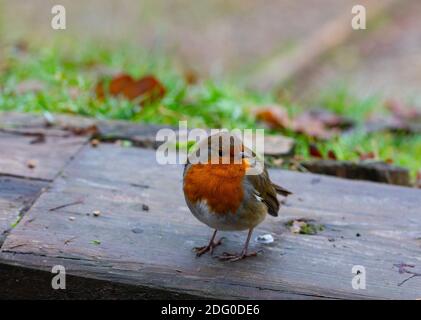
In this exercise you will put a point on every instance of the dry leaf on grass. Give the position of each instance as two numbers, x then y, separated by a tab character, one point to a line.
402	111
332	155
276	117
320	124
366	155
99	90
119	83
317	123
314	151
147	89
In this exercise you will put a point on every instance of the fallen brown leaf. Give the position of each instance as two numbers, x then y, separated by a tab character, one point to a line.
99	90
148	87
332	155
389	161
119	83
314	151
275	117
402	111
330	119
316	125
366	155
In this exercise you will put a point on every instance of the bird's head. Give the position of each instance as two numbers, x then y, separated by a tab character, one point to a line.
222	148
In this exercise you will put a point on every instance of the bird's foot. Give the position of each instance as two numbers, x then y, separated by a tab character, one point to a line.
235	256
209	248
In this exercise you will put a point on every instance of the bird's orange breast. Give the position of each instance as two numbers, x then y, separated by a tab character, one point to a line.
221	185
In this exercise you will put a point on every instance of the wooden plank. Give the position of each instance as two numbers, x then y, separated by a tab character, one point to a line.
30	284
35	121
16	195
24	158
142	135
152	249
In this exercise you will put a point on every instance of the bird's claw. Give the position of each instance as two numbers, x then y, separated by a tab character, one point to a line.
209	248
231	257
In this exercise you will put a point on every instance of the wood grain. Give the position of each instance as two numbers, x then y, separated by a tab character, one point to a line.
21	157
365	223
16	195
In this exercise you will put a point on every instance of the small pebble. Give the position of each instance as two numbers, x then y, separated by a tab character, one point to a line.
265	238
137	230
72	218
94	143
96	213
145	207
31	164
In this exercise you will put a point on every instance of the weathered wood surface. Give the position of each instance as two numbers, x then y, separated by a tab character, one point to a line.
65	126
31	121
367	224
21	156
365	170
16	195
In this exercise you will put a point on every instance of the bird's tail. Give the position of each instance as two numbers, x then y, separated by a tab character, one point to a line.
281	190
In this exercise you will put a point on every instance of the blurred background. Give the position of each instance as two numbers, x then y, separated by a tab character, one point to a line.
236	37
231	63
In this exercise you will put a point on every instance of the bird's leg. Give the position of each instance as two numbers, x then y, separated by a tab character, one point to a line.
244	254
212	244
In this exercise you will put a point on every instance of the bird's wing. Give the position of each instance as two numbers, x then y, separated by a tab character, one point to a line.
281	190
267	191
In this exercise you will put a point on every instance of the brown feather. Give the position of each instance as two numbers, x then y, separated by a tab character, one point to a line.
281	190
267	191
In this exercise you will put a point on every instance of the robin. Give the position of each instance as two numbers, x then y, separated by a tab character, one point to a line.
222	193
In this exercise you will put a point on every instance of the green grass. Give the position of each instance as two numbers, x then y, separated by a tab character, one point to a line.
212	103
69	77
